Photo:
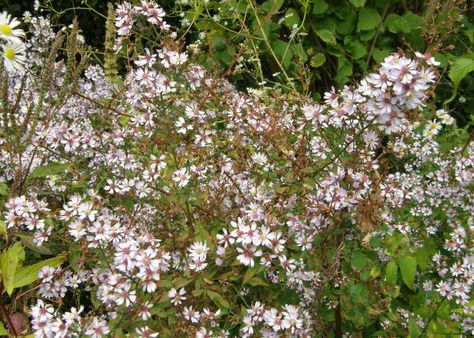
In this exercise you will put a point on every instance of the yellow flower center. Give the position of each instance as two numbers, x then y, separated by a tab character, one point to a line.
6	29
10	53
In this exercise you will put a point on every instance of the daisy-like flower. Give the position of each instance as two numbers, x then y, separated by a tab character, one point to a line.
14	56
7	28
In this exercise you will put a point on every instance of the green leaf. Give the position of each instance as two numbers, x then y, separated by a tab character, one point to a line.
391	271
28	274
317	60
27	241
3	228
218	299
326	36
357	3
459	70
256	281
369	19
413	330
357	49
408	270
3	189
359	261
49	169
3	331
9	261
320	6
291	18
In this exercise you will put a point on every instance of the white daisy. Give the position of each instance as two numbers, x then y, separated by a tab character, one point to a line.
14	56
7	28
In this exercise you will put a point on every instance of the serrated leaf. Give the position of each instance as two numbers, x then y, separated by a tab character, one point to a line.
408	270
458	71
326	36
369	19
391	271
49	169
28	274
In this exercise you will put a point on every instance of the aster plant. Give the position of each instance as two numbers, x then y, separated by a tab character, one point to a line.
167	202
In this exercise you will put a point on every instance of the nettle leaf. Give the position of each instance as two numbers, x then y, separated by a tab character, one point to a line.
408	270
49	169
369	19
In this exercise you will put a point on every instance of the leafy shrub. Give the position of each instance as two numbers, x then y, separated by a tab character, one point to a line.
173	203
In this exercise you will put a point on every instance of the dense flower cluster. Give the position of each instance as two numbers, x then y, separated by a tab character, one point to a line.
185	203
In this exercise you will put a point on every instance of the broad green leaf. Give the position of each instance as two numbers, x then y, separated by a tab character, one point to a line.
28	274
459	70
218	299
3	330
357	49
326	36
391	270
10	260
319	6
369	19
357	3
49	169
403	24
291	18
359	261
408	270
317	60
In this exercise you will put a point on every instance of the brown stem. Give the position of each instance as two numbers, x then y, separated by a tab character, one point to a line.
7	316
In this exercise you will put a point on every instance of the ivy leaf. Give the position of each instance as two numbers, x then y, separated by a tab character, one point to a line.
408	270
369	19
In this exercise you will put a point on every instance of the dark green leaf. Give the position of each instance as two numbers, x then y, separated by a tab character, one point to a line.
369	19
